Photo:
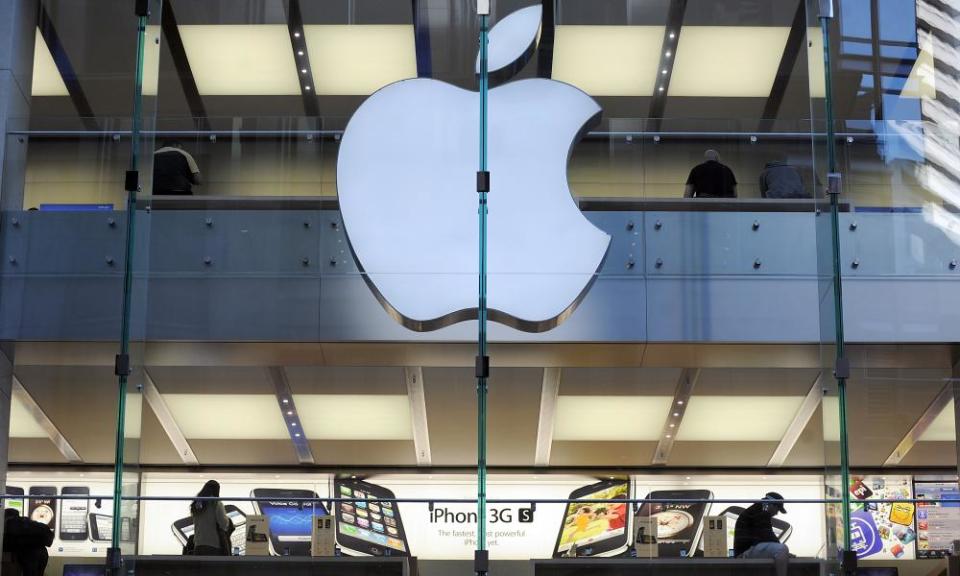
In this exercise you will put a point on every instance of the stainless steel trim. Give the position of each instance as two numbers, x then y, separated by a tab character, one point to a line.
549	393
678	408
800	420
922	424
290	414
19	393
169	424
418	414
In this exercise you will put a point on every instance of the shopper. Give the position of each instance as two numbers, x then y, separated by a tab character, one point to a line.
711	179
753	535
211	527
27	542
175	172
781	180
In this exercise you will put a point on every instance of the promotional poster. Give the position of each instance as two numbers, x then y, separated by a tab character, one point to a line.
938	523
882	530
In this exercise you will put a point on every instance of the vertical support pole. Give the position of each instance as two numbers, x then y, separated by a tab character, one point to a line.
481	556
842	365
122	367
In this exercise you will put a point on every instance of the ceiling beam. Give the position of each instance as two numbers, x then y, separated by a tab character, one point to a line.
681	399
549	393
418	415
169	424
796	41
291	416
301	58
171	33
799	423
66	70
922	424
668	55
548	28
421	38
20	394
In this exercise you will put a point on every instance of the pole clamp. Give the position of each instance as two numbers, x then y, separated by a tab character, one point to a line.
483	181
483	7
121	365
826	9
481	561
842	369
483	366
142	8
834	184
131	182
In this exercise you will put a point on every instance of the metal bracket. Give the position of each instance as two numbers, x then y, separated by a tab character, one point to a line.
483	181
131	181
142	8
826	9
483	7
834	183
121	365
842	369
483	367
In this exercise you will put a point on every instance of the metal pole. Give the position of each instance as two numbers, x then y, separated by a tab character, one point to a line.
483	364
842	366
122	367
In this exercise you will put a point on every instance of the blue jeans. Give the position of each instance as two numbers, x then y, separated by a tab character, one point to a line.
779	552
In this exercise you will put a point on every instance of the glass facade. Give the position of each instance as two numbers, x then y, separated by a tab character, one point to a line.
539	281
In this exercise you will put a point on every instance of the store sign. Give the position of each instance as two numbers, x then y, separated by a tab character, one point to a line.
407	186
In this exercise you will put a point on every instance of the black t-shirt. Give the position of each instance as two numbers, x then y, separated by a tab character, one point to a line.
173	171
753	527
712	180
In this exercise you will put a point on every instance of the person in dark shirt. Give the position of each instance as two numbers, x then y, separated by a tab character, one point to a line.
753	535
27	542
175	172
781	180
711	179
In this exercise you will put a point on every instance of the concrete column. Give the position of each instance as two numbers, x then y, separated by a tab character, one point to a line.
18	23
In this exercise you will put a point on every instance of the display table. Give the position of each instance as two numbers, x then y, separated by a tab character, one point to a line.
670	567
268	566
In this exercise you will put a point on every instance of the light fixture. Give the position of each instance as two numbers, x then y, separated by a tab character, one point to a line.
672	35
668	54
676	414
664	71
672	425
307	88
688	477
303	70
669	436
296	34
299	52
679	401
660	89
297	434
289	412
286	400
293	424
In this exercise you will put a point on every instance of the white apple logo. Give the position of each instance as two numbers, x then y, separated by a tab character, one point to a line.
406	179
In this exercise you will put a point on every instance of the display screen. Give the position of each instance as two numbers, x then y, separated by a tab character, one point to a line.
43	510
588	523
678	523
73	513
938	523
238	539
369	519
102	526
14	503
290	521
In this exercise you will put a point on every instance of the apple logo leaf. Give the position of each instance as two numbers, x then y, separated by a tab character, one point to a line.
512	42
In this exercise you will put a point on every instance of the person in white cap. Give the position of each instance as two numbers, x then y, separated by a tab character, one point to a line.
753	535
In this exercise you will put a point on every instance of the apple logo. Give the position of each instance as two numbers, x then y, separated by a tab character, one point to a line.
406	179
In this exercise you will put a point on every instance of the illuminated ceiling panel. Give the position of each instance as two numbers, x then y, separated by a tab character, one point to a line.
738	418
355	416
608	418
241	60
22	422
151	60
46	78
608	60
943	427
227	416
815	63
727	61
360	59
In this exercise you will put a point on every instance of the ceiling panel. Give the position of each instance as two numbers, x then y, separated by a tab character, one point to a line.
46	77
727	61
355	416
738	418
608	60
359	59
238	60
606	418
22	422
755	381
228	416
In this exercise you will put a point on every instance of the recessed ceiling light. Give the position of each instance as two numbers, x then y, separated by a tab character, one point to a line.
669	436
669	53
676	414
303	70
299	52
679	401
293	423
672	425
664	71
297	434
672	35
307	88
688	477
286	401
661	90
289	412
296	34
